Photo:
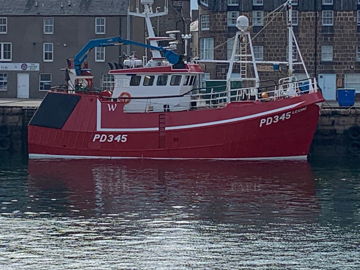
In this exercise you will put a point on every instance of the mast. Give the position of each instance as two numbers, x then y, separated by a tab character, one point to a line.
147	14
290	40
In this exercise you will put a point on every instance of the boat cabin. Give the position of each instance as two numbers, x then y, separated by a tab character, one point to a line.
153	89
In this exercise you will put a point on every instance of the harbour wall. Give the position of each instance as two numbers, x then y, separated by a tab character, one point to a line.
338	133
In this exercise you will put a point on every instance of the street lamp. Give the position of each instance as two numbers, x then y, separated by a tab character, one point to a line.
186	38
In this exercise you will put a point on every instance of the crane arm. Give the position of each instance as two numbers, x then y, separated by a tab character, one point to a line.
80	57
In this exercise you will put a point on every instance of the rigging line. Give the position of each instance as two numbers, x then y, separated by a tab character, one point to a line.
269	22
278	9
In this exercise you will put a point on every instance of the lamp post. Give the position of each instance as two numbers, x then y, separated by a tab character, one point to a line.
186	38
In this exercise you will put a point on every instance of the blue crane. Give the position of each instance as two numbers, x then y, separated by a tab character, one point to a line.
80	57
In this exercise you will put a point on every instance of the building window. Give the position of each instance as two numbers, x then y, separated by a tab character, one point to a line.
207	48
294	54
258	2
327	17
205	22
258	18
327	2
259	53
99	54
48	25
295	18
358	17
45	82
327	53
233	2
3	25
3	82
108	82
232	17
295	2
100	25
358	53
230	45
5	51
48	52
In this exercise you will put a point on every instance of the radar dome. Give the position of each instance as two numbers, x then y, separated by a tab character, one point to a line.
242	23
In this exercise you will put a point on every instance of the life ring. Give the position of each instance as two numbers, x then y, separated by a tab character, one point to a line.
4	130
354	132
354	148
125	97
5	144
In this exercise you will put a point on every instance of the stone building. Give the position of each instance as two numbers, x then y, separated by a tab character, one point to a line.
327	32
37	36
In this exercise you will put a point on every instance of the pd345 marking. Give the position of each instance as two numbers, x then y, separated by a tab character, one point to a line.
110	138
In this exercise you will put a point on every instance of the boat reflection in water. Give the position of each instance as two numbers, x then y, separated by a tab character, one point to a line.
205	190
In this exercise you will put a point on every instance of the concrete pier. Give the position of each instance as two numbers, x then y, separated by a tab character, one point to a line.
338	133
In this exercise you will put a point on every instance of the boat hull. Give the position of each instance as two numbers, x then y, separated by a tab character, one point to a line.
95	128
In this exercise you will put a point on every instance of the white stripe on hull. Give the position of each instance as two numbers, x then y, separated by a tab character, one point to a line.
47	156
213	123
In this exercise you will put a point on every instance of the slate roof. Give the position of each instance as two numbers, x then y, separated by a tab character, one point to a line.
63	7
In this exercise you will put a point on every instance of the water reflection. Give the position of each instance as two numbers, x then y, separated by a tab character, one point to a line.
212	190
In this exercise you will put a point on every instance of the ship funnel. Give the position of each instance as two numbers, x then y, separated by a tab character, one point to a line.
242	23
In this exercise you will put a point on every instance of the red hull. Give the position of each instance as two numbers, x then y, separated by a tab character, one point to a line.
241	130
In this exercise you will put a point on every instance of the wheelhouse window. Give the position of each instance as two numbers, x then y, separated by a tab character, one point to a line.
148	80
5	51
192	80
187	80
45	81
99	54
3	82
135	80
3	25
100	25
48	25
175	80
327	17
162	80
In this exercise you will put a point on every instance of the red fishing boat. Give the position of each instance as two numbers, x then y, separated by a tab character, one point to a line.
156	111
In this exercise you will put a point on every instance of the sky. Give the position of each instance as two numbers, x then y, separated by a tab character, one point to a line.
194	4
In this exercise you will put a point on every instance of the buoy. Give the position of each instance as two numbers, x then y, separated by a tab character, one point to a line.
125	97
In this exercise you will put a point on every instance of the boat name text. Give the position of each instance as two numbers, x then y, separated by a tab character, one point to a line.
110	138
279	117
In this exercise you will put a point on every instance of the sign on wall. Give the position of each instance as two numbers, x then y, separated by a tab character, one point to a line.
20	66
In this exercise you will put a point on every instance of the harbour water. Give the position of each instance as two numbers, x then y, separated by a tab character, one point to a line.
179	214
